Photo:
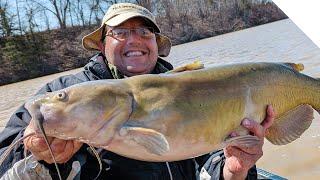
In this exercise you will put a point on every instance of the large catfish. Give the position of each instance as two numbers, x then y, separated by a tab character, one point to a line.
176	116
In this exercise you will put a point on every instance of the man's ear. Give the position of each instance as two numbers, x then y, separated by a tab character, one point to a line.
101	47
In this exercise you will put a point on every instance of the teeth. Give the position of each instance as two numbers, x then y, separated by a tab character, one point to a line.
134	53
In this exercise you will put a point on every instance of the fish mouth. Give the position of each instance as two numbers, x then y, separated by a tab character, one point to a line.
36	115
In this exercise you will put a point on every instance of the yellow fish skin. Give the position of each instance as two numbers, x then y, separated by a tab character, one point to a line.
180	115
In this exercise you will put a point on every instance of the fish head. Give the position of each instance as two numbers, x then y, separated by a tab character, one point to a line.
76	111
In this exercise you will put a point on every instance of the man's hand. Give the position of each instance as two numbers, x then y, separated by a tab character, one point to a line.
240	159
62	150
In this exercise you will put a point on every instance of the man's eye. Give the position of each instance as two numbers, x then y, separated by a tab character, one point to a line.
145	31
119	32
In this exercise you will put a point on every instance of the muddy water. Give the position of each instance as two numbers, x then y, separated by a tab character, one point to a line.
277	42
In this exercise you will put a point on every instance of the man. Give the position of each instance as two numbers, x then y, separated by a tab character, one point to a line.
130	43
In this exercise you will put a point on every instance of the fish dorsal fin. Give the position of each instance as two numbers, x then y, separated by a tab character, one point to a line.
188	67
291	125
297	67
153	141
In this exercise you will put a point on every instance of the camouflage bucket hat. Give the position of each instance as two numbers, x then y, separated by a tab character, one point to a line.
119	13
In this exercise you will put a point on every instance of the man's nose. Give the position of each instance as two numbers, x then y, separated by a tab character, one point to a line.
134	37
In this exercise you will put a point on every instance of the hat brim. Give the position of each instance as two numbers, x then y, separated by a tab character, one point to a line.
164	45
91	42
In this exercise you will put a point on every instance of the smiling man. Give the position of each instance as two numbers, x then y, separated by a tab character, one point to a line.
131	46
130	43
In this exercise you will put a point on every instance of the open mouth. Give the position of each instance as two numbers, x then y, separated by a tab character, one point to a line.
134	53
33	108
37	118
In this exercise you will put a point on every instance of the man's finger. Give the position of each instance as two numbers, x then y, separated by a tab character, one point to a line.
69	152
77	145
254	127
251	150
36	143
40	143
233	134
69	149
47	156
44	155
267	122
65	155
234	151
58	146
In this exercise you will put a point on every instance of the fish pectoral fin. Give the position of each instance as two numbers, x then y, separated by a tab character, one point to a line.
188	67
242	141
291	125
153	141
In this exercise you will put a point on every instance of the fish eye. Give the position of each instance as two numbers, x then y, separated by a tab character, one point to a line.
61	95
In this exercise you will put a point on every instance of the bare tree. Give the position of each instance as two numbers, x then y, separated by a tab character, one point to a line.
145	3
168	8
97	9
100	8
70	14
6	20
61	7
60	10
92	6
46	19
104	4
31	11
78	10
18	14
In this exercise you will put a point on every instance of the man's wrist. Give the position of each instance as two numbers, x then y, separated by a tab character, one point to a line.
228	175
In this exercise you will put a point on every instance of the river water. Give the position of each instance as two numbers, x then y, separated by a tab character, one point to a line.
281	41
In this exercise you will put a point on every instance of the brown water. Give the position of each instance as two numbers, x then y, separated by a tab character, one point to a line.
281	41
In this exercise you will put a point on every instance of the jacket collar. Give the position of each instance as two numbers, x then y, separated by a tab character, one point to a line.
99	66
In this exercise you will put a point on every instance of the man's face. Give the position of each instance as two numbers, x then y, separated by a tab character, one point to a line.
134	55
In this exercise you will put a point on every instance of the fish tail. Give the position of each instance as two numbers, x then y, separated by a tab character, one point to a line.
311	93
317	98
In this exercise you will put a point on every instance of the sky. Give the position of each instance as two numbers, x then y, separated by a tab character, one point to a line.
305	14
40	17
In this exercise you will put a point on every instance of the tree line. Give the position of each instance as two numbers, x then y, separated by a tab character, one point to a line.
39	37
27	16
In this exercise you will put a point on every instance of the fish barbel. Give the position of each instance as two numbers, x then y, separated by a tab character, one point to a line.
174	116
